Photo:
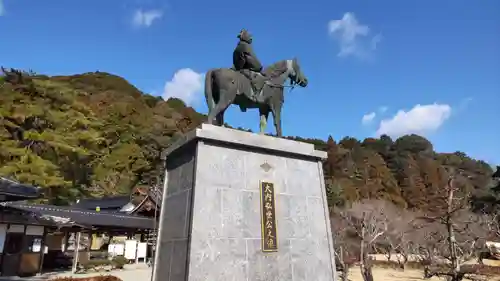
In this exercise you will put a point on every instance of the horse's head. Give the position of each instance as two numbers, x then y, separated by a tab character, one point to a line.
295	73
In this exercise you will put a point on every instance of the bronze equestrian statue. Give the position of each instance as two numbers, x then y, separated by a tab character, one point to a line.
248	86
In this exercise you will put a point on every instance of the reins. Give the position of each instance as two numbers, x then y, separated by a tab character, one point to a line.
274	85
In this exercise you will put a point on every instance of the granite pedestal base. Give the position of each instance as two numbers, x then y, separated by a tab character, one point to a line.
210	222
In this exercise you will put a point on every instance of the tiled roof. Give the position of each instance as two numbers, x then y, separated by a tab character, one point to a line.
115	202
13	188
84	217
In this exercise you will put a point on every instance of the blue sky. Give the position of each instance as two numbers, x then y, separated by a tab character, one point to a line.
395	67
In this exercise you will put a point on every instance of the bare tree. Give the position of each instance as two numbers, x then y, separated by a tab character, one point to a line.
345	246
493	222
427	239
492	250
368	221
453	233
397	240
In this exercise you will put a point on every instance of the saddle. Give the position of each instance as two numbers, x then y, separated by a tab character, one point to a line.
257	81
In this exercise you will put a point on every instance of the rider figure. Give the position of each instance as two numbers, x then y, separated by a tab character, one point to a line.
246	62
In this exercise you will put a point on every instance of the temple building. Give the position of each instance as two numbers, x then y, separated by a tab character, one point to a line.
36	237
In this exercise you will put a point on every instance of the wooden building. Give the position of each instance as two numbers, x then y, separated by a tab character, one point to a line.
24	227
142	201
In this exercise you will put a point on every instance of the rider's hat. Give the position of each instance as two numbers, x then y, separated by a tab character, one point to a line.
244	35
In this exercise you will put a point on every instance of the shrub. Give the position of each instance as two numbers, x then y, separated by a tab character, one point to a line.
176	103
94	278
480	269
119	262
99	255
96	264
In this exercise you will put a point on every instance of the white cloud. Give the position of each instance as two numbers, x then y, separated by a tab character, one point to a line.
421	119
2	8
146	18
186	85
353	37
368	118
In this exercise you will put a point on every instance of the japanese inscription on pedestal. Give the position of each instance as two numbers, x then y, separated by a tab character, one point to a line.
268	214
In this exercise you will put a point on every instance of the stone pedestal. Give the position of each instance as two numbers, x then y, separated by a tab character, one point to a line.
210	223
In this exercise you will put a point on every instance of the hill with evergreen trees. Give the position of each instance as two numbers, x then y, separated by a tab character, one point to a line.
94	134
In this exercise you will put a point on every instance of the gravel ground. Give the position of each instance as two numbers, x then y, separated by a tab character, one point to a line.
135	272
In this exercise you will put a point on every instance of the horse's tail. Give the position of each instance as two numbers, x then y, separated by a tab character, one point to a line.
208	89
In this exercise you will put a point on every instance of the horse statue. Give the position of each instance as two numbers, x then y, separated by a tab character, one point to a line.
225	86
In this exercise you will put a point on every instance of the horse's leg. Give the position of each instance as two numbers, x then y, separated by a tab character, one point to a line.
264	114
214	112
211	116
220	119
218	111
276	110
263	124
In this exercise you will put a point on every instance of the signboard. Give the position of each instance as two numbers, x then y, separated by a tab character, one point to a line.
130	249
268	217
111	249
37	245
116	249
142	249
119	249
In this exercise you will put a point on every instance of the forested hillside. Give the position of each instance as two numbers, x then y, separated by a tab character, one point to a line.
94	134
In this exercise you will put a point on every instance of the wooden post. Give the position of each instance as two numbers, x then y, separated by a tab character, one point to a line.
91	240
42	250
136	250
65	241
75	253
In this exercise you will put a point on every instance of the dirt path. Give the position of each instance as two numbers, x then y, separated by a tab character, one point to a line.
384	274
